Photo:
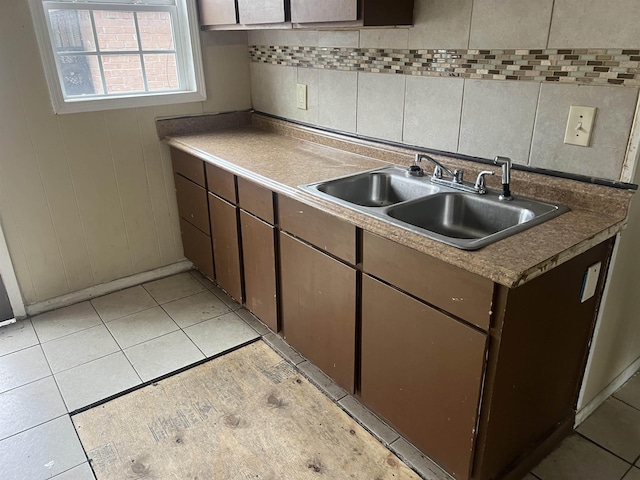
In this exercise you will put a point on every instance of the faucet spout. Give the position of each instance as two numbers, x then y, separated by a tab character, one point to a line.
505	164
456	175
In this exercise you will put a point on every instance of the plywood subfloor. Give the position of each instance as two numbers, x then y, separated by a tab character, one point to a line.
245	415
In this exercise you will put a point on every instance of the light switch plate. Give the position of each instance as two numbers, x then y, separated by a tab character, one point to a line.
301	95
590	282
580	125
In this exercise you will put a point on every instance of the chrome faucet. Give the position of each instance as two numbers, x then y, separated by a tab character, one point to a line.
456	175
505	164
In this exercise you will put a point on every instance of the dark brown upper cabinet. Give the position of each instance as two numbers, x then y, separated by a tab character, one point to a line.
218	12
253	12
257	14
366	13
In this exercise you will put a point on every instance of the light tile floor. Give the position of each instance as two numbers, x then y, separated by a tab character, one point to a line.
71	358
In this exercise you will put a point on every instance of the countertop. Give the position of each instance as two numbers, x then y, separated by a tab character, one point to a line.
281	156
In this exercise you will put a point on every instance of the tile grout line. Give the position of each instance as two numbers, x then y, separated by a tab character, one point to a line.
601	447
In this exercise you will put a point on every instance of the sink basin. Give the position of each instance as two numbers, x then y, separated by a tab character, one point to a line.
378	188
472	221
465	220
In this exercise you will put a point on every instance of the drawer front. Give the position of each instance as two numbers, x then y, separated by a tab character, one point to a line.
188	166
256	200
197	248
461	293
221	182
192	203
318	228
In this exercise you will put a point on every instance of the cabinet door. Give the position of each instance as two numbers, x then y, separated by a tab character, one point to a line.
310	11
197	248
226	251
261	11
192	203
319	308
218	12
259	264
422	371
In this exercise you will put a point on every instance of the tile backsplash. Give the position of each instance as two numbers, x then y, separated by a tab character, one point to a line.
588	66
475	77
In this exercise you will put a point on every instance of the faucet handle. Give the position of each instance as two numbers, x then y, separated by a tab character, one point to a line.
480	185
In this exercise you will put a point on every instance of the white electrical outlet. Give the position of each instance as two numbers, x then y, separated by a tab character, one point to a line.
579	125
302	96
590	282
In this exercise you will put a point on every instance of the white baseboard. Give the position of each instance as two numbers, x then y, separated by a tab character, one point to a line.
109	287
609	390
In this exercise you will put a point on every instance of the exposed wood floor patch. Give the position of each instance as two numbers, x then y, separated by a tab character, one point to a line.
248	414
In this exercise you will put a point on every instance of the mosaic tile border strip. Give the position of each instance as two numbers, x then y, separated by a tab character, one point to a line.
584	66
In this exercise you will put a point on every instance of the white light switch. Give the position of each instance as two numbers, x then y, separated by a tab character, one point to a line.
590	282
579	125
302	96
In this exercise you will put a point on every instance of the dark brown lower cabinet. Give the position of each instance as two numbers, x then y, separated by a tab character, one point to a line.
319	308
259	262
422	371
226	250
197	248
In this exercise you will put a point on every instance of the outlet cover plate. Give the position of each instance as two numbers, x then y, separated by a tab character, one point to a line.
301	96
580	125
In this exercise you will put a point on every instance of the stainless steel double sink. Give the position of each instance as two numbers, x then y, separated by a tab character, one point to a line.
465	220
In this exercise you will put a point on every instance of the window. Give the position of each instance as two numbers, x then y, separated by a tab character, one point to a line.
103	54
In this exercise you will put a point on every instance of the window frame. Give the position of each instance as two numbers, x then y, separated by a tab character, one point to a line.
187	44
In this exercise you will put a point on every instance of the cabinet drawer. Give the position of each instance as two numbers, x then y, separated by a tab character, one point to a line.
192	203
256	200
197	248
461	293
318	228
188	166
422	371
221	182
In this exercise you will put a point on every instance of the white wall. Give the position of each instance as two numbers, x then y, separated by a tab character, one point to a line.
89	198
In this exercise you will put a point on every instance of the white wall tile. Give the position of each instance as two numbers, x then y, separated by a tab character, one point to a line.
338	97
432	112
308	77
339	38
509	24
381	105
497	119
397	38
595	24
273	89
440	24
612	126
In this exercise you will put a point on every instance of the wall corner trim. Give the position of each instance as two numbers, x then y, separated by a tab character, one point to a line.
609	390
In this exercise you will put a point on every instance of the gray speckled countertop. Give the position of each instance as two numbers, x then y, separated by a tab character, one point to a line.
281	156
